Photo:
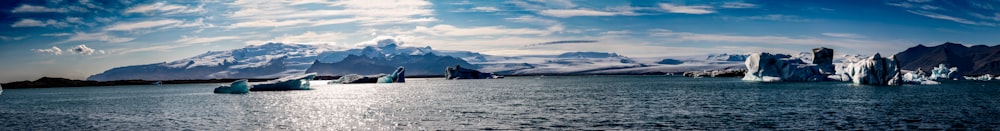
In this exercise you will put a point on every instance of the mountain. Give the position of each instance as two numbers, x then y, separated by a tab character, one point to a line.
727	57
975	60
270	60
426	64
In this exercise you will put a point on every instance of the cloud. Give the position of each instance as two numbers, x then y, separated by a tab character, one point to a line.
142	25
52	51
8	38
532	20
950	18
37	23
166	9
617	32
450	30
686	9
485	9
37	9
198	40
306	38
564	13
772	17
562	42
80	36
780	40
366	13
57	34
738	5
84	50
843	35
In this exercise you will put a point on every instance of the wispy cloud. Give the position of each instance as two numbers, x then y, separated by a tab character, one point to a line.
37	23
102	36
950	18
142	25
10	38
699	9
844	35
308	37
200	40
450	30
164	9
563	13
738	5
781	40
771	17
51	51
533	20
37	9
479	9
366	13
84	50
562	42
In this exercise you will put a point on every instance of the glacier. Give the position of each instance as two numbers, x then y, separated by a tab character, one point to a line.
237	87
292	82
875	70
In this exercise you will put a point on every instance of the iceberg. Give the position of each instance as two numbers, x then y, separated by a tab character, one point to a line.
942	72
457	72
986	77
397	76
918	78
293	82
875	70
237	87
768	67
823	58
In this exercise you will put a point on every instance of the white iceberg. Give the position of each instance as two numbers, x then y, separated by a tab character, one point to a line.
293	82
237	87
918	78
986	77
768	67
397	76
942	72
875	70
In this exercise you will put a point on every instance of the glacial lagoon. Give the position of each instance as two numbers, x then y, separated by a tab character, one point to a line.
520	103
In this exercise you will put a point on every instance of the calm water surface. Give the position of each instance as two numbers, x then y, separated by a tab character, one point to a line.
570	102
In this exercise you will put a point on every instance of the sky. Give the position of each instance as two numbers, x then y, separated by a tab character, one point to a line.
77	38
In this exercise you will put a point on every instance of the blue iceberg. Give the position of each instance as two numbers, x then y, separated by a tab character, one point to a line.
875	70
397	76
237	87
944	73
766	67
293	82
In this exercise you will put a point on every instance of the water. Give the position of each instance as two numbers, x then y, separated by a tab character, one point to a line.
571	102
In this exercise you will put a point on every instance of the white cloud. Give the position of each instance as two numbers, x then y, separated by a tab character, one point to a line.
738	5
80	36
57	34
37	23
686	9
844	35
772	17
485	9
563	13
8	38
53	51
198	40
306	38
533	20
268	23
364	11
84	50
166	9
37	9
450	30
142	25
687	36
617	32
950	18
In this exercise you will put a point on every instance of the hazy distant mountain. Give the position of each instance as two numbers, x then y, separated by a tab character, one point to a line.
426	64
975	60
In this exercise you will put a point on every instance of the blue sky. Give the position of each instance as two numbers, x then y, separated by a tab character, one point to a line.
78	38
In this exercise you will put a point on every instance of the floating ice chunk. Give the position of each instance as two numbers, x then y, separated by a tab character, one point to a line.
397	76
457	72
986	77
768	67
942	72
875	70
293	82
916	78
237	87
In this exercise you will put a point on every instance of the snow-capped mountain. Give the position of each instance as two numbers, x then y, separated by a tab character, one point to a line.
269	60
